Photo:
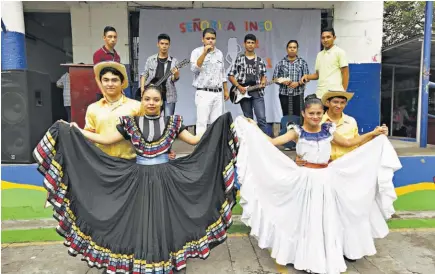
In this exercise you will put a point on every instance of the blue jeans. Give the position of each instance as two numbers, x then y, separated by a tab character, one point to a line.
255	104
169	108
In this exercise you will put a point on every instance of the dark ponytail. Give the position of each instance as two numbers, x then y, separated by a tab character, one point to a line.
156	88
311	100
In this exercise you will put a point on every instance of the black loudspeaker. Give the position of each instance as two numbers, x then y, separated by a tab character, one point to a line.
26	113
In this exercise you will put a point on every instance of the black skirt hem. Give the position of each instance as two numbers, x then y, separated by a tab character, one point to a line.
99	254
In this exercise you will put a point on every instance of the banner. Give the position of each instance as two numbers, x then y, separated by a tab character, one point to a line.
273	29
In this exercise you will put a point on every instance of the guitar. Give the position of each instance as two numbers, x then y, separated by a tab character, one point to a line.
138	94
236	96
181	64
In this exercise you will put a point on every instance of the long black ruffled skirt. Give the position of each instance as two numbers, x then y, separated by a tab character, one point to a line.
132	218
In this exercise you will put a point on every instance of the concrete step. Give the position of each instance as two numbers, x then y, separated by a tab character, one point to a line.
52	223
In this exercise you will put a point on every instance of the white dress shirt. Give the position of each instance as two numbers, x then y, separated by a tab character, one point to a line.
212	72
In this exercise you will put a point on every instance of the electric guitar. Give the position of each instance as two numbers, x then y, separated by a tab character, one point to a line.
181	64
236	96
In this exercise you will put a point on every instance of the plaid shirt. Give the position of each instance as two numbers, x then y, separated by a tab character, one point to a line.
293	70
151	68
238	69
64	83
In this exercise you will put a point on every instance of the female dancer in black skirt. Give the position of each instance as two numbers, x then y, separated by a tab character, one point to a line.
143	216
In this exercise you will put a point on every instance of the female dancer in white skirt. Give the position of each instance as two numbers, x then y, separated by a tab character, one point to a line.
313	216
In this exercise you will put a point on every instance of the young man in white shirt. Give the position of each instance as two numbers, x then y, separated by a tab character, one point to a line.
207	64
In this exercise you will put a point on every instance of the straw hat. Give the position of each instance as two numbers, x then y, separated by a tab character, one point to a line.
336	92
118	66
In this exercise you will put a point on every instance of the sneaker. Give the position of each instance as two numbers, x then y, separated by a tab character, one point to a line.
287	149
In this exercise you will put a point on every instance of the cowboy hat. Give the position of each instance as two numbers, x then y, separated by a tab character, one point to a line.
336	92
110	64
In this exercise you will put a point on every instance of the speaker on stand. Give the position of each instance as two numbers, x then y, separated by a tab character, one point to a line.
26	113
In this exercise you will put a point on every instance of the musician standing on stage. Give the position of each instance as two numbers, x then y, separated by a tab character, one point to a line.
249	70
156	67
207	65
291	93
332	68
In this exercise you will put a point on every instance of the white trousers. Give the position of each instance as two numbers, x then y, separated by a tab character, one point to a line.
209	106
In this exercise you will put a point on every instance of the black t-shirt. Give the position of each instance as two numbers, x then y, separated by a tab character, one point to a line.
160	72
251	72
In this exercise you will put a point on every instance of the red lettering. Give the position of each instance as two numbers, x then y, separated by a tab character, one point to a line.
253	26
183	27
231	26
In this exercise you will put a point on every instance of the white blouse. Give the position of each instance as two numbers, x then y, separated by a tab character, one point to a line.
314	147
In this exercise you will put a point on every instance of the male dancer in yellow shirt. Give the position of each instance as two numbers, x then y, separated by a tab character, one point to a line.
103	115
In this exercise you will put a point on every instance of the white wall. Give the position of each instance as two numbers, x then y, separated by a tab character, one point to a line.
358	24
358	27
12	15
88	22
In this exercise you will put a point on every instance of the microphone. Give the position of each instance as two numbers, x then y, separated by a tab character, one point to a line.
209	48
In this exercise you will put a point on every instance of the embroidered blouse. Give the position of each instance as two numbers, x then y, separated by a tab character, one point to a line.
314	147
151	136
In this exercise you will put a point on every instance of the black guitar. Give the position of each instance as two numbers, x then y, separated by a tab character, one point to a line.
138	95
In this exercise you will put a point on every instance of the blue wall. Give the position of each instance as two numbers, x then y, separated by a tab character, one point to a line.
365	106
13	51
416	169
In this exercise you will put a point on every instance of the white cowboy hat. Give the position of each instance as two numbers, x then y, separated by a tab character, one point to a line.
110	64
336	92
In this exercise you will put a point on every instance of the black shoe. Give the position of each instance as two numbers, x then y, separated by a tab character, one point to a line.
349	260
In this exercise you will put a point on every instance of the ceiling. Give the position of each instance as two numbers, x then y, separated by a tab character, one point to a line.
407	53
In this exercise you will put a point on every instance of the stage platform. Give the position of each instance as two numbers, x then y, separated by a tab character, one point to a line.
414	183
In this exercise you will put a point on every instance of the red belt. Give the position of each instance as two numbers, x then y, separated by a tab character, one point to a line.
311	165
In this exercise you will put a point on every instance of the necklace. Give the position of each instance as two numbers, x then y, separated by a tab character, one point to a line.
112	103
158	59
152	117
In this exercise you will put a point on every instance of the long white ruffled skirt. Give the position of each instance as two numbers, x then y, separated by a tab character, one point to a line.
312	217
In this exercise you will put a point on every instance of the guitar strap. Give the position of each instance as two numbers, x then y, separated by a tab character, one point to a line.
257	71
257	66
168	67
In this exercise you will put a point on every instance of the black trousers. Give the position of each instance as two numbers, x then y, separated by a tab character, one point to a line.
291	104
68	113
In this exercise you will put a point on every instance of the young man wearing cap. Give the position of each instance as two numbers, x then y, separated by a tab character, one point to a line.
347	126
103	115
